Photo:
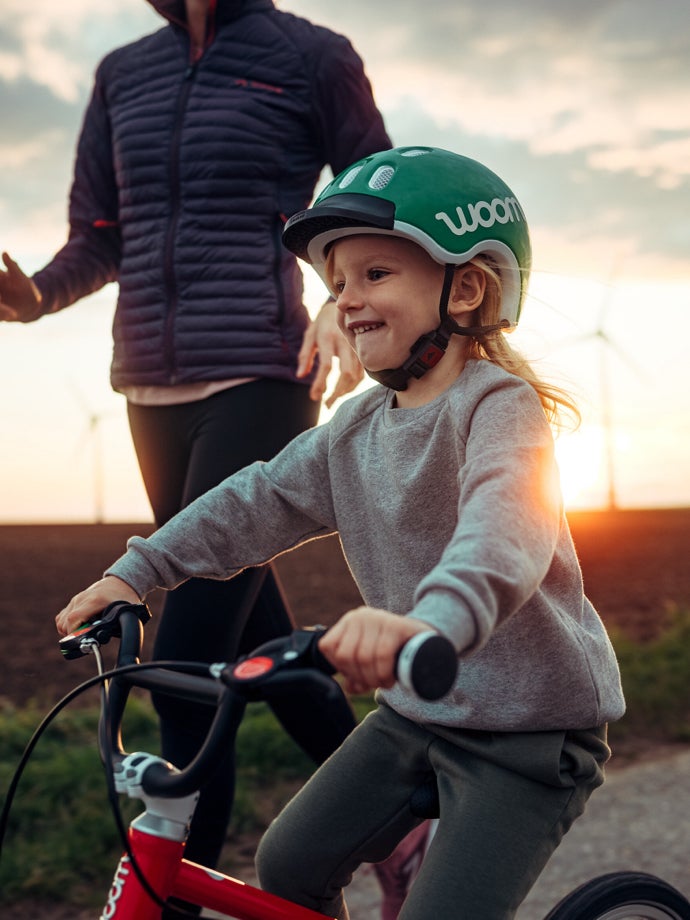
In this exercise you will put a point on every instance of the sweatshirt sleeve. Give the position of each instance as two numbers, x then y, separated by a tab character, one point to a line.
91	256
251	517
508	521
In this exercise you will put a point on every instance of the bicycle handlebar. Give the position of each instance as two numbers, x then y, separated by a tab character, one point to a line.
427	664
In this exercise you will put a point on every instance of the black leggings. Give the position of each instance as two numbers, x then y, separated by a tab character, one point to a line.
184	450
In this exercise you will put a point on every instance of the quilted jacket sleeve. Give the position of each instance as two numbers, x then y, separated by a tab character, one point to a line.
91	256
350	124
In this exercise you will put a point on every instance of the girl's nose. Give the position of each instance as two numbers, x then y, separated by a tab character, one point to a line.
349	298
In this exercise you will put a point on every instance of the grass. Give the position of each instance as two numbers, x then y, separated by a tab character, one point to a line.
60	825
656	681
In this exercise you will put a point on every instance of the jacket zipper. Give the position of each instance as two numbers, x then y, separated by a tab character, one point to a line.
171	291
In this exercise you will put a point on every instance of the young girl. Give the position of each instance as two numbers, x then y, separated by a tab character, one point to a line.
443	488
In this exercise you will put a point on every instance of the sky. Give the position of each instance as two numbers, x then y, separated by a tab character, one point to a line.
583	107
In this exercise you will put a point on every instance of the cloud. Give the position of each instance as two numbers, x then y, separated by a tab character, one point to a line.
27	109
48	54
36	155
58	45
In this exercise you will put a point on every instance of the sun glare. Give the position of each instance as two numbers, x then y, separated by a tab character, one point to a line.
580	461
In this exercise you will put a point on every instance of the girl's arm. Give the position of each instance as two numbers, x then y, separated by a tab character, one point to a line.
509	519
260	512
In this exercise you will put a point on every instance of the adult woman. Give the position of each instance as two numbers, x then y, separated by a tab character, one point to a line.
196	140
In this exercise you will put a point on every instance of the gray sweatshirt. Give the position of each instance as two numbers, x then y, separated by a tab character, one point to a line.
450	513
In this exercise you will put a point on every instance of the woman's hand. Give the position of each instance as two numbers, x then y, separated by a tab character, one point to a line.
20	299
92	601
323	337
364	644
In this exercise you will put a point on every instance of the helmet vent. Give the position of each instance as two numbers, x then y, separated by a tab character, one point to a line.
349	176
381	177
414	152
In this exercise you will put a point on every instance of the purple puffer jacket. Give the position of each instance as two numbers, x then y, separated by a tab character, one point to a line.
185	172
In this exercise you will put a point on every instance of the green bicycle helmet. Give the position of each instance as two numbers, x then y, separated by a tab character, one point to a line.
450	205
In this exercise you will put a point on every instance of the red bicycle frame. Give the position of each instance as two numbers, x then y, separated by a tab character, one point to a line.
169	875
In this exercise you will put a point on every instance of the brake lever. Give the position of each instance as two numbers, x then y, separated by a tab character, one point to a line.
101	631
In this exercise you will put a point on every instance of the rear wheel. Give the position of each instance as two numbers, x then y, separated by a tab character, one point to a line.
623	896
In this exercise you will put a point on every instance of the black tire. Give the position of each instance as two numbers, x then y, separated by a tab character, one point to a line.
623	896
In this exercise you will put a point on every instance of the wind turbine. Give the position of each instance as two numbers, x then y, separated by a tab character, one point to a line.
606	346
606	343
93	434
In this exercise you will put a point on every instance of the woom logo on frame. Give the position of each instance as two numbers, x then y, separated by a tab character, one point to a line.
482	214
115	893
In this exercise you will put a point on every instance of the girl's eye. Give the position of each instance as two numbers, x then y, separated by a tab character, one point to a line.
376	274
338	287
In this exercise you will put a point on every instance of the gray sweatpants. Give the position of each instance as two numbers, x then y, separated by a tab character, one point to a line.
506	800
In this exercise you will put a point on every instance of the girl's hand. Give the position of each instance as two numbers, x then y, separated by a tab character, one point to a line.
92	601
364	643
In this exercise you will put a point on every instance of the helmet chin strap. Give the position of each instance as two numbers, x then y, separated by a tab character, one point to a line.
428	350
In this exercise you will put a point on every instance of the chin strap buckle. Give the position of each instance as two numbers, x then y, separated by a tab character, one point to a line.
426	352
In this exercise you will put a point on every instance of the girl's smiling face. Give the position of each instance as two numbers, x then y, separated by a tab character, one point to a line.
387	292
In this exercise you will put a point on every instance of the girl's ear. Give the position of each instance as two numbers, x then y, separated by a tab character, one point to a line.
467	293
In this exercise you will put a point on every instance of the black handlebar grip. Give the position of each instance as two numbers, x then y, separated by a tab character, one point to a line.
427	665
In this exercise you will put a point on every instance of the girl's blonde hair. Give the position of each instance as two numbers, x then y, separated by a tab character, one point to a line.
494	347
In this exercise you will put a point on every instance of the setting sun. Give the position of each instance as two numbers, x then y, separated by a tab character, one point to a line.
580	458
